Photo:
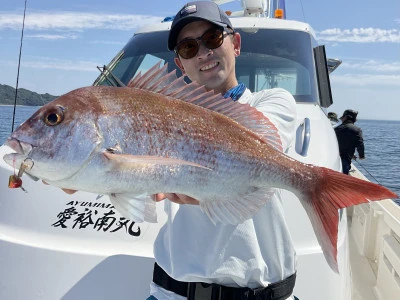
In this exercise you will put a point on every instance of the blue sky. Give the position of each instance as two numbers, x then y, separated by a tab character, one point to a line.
64	41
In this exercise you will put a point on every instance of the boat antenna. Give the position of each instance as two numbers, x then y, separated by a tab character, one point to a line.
19	64
302	11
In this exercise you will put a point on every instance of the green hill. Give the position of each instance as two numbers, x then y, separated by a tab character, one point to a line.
24	97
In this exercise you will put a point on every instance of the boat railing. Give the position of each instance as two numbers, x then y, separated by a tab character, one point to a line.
375	227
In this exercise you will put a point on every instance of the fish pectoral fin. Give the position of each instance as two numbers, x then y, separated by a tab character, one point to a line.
135	161
237	210
137	208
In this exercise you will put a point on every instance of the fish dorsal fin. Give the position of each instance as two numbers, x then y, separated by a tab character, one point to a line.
158	80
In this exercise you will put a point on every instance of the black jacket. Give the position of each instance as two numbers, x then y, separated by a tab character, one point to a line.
349	138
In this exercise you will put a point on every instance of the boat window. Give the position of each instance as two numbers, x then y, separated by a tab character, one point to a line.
269	58
273	58
141	53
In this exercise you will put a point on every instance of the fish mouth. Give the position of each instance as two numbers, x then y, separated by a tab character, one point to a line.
18	146
20	160
22	152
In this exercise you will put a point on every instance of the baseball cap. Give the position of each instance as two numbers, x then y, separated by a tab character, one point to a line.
196	11
350	113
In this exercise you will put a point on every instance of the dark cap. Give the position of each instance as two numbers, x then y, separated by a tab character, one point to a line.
352	114
197	11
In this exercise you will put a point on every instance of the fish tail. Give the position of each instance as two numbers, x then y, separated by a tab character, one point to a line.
324	196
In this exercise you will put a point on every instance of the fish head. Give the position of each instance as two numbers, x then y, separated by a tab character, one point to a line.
58	138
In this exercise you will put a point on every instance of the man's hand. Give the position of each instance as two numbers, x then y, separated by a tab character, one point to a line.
68	191
355	157
177	198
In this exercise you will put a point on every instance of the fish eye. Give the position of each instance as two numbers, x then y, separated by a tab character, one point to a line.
54	116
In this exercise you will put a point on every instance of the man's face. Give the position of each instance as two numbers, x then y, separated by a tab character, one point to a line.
213	68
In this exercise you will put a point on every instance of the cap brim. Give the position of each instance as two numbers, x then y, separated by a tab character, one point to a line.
173	35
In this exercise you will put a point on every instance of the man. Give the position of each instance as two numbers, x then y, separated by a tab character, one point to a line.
349	138
255	259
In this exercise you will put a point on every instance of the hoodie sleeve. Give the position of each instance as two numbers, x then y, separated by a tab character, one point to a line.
279	106
360	144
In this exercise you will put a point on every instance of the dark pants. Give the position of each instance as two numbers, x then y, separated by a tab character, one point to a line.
346	165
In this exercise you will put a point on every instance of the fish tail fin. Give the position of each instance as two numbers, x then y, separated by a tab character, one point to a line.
325	196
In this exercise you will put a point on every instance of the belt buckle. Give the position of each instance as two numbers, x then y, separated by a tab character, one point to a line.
202	291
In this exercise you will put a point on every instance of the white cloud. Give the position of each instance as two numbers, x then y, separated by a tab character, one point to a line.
51	36
74	21
104	42
363	80
360	35
57	64
372	65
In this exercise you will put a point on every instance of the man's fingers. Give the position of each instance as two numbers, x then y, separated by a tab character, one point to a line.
182	199
159	197
68	191
177	198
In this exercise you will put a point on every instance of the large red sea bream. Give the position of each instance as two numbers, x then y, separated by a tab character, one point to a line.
161	135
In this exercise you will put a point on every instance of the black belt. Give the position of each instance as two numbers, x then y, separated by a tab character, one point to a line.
280	290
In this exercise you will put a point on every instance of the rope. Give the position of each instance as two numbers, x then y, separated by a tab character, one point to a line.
19	64
376	180
365	169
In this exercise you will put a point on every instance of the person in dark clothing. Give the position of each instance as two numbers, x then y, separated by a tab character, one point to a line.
349	138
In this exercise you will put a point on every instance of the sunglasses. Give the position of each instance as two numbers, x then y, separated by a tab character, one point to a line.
212	39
